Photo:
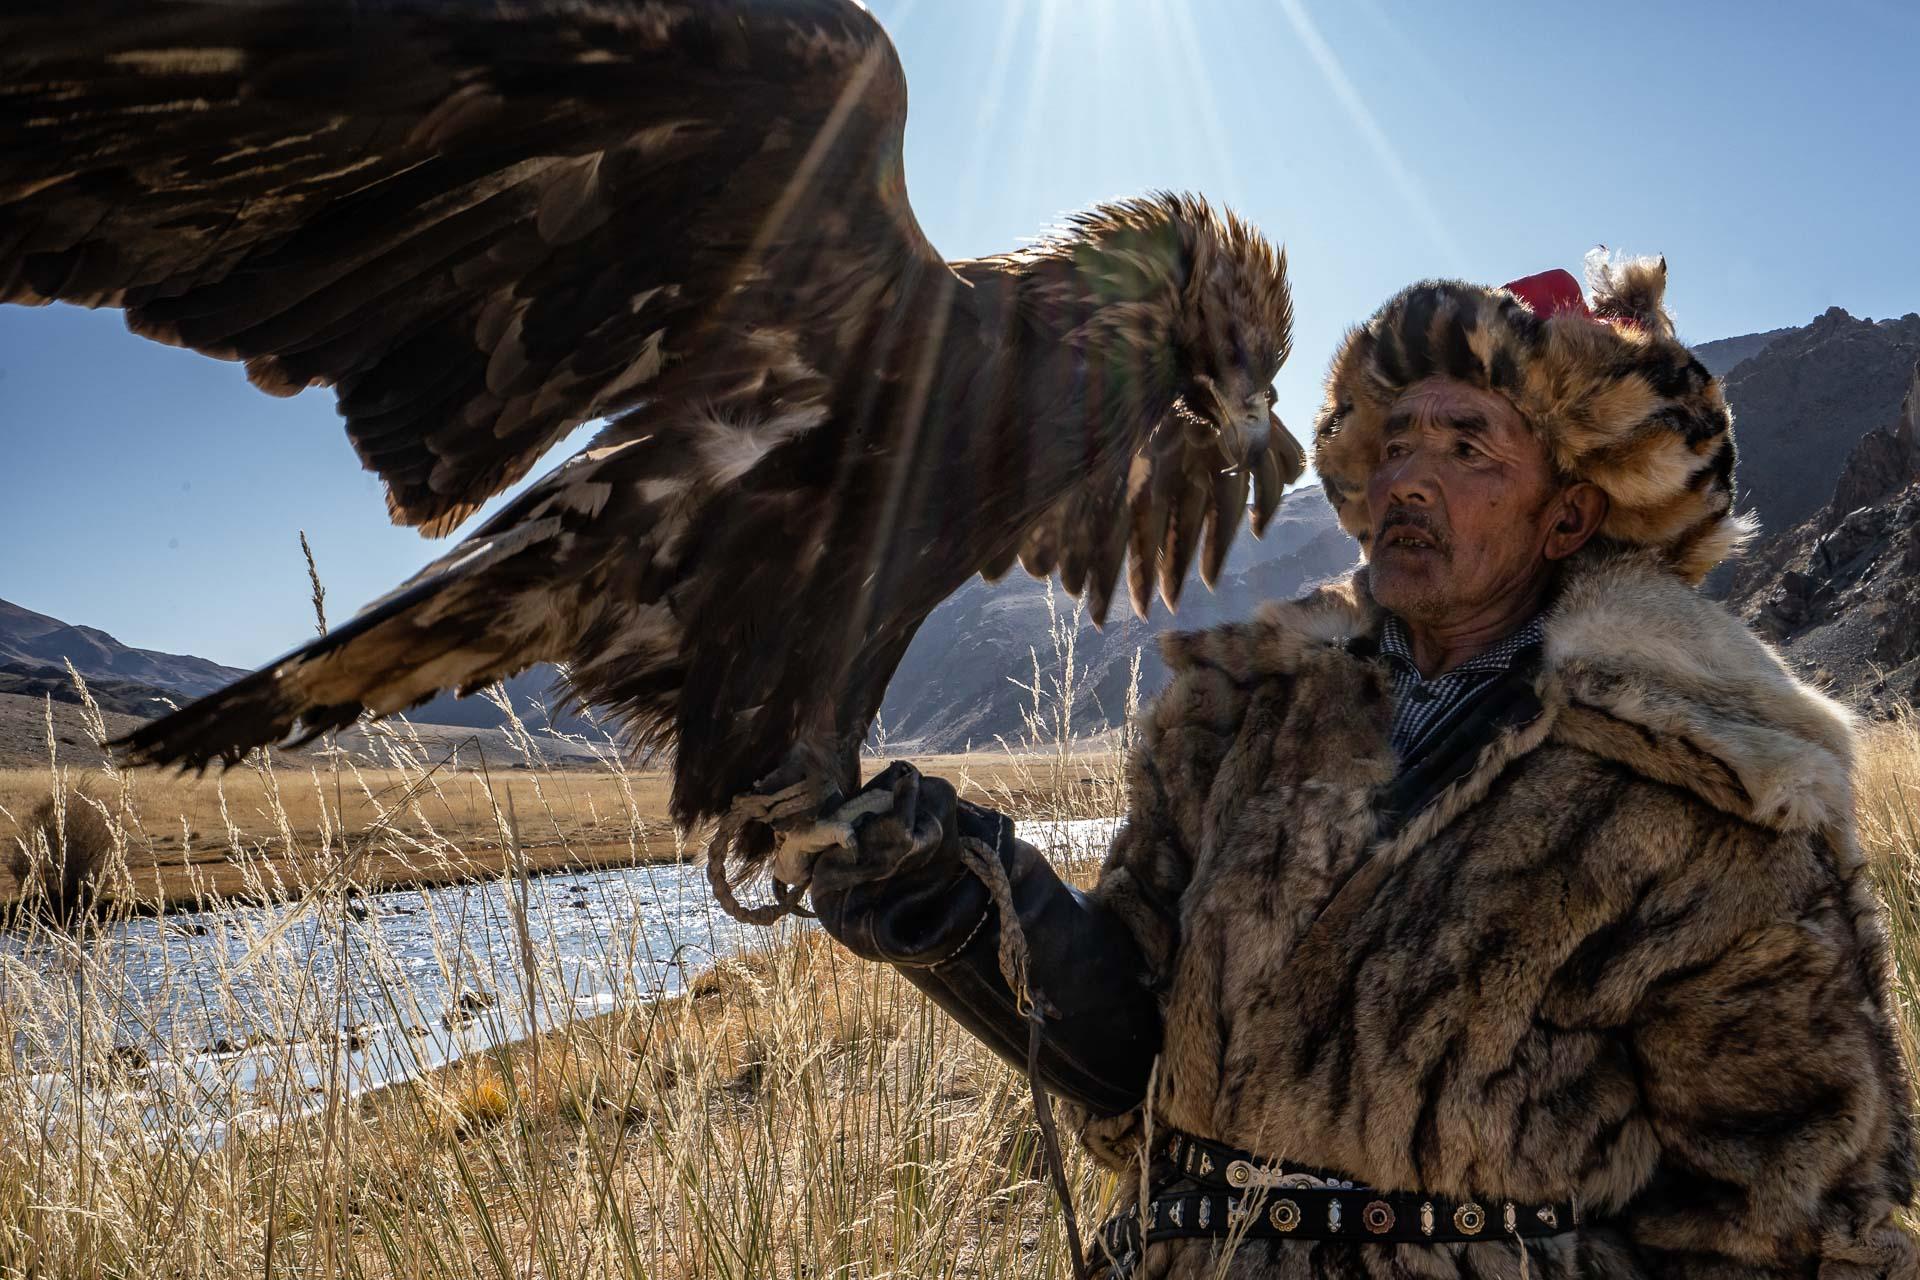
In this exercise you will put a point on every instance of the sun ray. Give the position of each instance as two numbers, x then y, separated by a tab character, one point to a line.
988	114
818	149
1356	108
1198	78
1039	137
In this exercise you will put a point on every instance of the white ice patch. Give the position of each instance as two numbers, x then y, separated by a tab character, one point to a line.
1081	837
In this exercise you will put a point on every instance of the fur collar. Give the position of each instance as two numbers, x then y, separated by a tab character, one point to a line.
1634	643
1638	667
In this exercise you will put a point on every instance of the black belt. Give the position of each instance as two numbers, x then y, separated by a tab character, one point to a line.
1248	1198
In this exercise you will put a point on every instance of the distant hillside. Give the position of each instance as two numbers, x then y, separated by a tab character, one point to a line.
956	683
35	640
534	693
1722	354
35	648
123	697
1840	592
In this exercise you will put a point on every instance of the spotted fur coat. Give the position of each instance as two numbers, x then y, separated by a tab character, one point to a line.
1624	951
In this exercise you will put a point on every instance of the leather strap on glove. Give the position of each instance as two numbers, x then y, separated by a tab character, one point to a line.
902	894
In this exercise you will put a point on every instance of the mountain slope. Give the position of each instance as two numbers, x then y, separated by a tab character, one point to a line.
1722	355
1801	403
956	684
35	648
35	640
1840	592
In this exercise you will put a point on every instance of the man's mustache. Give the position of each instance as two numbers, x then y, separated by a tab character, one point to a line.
1413	518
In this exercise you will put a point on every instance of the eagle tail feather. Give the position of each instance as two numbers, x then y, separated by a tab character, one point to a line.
452	627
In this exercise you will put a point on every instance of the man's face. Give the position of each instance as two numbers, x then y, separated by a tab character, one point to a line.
1463	503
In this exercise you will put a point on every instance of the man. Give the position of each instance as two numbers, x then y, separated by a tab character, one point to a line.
1497	912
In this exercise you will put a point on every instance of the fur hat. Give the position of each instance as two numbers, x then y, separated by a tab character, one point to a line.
1618	400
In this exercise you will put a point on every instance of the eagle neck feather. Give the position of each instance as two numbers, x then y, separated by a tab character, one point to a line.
1124	289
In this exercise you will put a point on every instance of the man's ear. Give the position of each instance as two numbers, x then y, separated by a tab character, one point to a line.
1578	513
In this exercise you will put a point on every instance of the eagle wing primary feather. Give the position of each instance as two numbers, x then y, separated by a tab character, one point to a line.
1176	497
481	224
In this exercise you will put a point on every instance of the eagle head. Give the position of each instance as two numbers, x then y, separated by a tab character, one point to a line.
1233	330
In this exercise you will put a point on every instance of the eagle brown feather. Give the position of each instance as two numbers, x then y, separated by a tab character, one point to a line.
483	225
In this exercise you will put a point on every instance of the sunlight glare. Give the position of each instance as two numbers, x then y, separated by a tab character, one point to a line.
1403	179
988	114
1036	138
1198	79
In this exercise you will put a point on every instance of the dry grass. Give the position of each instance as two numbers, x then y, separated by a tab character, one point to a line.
800	1113
258	832
1889	810
796	1113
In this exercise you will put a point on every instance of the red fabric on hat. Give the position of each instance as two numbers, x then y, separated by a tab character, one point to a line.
1549	293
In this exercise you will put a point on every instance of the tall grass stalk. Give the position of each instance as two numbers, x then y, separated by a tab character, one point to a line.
780	1109
1888	802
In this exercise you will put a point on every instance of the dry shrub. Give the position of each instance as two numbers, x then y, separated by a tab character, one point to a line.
478	1098
1888	799
61	854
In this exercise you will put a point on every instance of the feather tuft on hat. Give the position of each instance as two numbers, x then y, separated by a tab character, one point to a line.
1629	291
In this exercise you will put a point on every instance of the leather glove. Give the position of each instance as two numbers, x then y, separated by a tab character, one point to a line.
900	893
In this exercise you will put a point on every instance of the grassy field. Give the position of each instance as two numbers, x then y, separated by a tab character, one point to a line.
797	1113
263	832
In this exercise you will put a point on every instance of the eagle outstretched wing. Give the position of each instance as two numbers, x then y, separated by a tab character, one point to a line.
483	224
486	221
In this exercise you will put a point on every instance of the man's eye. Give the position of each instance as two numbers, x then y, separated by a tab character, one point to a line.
1466	450
1396	449
1273	397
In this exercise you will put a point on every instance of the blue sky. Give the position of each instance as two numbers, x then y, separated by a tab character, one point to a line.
1764	148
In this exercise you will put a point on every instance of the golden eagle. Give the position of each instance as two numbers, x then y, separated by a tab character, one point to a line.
484	222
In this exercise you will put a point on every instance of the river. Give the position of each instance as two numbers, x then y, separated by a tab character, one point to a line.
191	1023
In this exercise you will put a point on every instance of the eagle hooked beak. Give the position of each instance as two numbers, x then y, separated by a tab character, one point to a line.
1245	434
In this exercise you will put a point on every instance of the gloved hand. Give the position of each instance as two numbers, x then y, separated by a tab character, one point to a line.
900	891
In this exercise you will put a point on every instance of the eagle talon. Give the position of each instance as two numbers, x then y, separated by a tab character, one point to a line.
798	846
800	801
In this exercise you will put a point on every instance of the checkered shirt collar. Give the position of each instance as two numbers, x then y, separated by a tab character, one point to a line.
1421	707
1395	644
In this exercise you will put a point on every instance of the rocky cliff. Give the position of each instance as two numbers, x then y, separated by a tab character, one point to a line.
1803	400
1840	592
1723	354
